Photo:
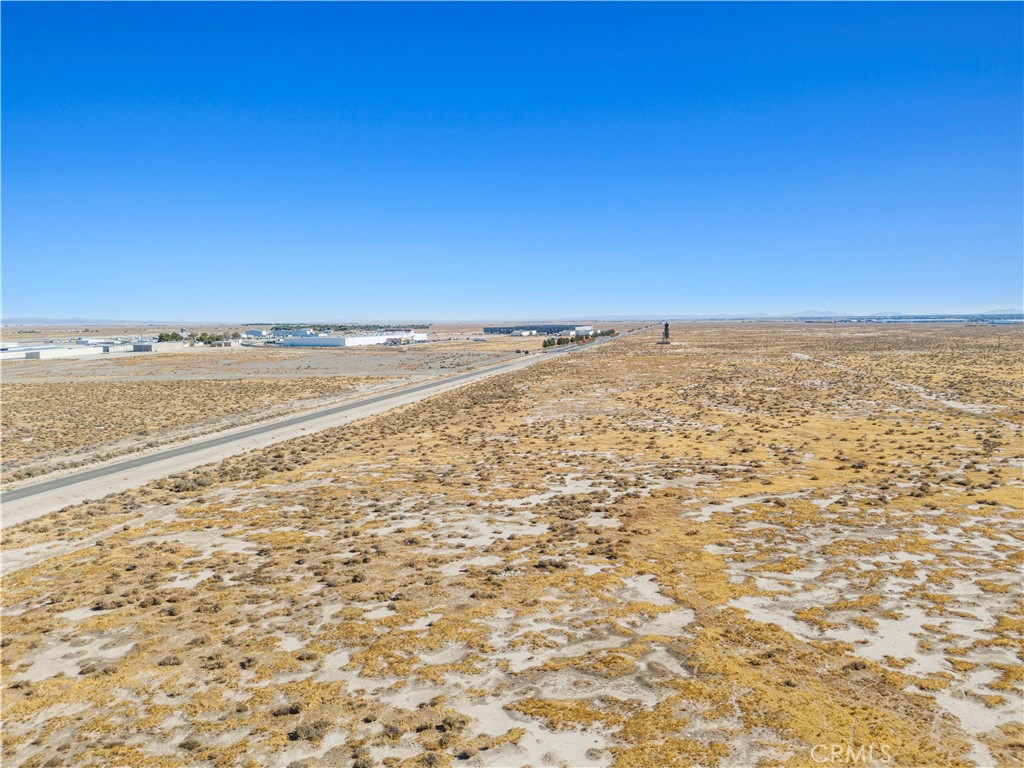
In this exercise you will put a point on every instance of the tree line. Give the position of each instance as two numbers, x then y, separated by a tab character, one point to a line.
563	341
202	338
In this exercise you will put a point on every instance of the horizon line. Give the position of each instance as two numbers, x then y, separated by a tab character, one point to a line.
645	317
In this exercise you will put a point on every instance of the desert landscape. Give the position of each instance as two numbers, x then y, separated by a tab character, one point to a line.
64	414
756	545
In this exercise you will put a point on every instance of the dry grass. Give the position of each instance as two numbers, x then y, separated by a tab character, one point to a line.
257	362
65	413
730	551
45	424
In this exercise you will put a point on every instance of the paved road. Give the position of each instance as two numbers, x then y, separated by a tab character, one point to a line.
32	501
91	474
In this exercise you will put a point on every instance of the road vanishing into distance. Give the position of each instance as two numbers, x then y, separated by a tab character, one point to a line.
28	502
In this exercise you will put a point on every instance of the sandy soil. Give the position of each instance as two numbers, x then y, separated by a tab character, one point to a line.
59	414
264	362
758	542
124	473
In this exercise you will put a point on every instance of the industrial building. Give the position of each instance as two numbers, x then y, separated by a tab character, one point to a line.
281	333
157	346
387	337
77	349
58	352
549	329
93	342
256	333
14	352
48	351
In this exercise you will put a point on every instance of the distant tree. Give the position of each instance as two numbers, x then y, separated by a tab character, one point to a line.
172	336
209	338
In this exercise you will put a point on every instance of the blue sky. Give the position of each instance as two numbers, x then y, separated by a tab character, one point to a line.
309	161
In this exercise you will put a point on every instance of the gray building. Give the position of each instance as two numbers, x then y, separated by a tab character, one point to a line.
541	328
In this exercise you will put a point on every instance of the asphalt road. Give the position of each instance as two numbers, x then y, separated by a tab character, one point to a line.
400	397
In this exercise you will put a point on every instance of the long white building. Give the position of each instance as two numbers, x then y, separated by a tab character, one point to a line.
75	350
59	352
389	337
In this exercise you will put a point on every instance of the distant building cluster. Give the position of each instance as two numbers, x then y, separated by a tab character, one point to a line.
83	348
307	338
319	336
549	329
172	340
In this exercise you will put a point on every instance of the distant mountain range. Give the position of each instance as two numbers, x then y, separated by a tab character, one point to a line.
810	313
79	321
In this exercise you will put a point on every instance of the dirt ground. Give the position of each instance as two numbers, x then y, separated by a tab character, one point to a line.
753	546
67	413
62	414
262	362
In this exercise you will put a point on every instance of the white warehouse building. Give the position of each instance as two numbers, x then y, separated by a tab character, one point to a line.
396	337
53	353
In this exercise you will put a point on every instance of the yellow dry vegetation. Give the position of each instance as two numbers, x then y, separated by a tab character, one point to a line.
52	424
755	542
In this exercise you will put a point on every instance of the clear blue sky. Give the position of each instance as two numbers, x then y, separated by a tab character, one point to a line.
322	161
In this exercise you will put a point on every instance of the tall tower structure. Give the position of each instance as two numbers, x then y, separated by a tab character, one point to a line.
664	335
